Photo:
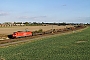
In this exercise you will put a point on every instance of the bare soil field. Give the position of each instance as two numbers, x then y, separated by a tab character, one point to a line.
10	30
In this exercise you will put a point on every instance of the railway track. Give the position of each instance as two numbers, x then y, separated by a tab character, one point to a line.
27	39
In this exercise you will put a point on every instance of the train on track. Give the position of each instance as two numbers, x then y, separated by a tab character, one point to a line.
21	34
27	33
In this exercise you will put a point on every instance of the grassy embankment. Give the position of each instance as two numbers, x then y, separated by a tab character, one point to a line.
75	46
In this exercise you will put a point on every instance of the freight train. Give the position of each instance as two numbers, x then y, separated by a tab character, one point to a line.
26	33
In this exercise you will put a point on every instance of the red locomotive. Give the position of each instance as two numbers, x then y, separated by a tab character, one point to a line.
21	34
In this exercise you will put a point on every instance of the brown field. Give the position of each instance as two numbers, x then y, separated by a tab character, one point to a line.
10	30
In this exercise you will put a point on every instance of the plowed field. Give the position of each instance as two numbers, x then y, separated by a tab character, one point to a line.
10	30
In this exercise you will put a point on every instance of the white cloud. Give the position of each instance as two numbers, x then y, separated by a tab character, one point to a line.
29	17
80	20
3	13
23	17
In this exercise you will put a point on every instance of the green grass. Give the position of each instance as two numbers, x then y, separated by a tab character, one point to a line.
65	47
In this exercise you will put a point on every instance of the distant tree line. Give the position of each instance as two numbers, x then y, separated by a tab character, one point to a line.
40	24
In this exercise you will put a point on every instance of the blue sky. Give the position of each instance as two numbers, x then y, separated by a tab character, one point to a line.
77	11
